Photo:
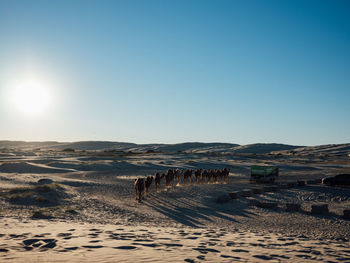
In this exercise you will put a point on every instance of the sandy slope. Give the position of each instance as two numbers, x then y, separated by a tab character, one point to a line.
96	217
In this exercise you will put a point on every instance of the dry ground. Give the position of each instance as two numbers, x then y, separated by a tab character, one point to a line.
96	198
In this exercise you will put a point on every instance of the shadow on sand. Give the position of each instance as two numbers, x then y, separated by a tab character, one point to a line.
189	212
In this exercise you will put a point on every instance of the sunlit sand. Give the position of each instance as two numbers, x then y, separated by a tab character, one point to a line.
64	204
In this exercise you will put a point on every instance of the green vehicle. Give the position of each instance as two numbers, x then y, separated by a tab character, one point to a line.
263	174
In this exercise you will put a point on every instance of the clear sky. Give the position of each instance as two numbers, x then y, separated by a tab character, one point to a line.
176	71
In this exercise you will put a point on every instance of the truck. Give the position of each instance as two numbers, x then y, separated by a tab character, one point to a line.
263	174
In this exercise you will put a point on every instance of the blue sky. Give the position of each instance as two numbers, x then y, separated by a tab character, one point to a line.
175	71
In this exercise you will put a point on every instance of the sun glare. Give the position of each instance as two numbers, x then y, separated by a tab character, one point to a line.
31	97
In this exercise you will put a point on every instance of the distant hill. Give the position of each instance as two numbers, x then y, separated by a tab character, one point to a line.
264	148
25	145
329	149
187	147
95	145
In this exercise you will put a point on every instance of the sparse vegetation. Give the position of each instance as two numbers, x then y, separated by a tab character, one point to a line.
46	194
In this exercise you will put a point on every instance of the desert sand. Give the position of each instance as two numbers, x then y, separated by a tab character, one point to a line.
84	207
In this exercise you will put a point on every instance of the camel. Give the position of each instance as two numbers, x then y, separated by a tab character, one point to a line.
148	183
139	185
205	176
169	177
198	174
173	176
177	176
226	174
157	181
187	176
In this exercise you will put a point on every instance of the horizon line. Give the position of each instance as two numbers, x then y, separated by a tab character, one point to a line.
162	143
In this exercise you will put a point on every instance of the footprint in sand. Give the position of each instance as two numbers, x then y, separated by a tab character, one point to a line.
192	237
263	257
38	244
42	235
143	240
64	234
31	243
257	245
125	247
93	246
227	256
279	256
230	244
206	250
94	241
291	243
240	250
146	244
49	240
71	248
49	245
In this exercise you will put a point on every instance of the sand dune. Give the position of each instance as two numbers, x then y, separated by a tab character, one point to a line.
189	147
331	149
26	145
26	167
80	206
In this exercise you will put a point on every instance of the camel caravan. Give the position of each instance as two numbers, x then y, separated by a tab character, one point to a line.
179	177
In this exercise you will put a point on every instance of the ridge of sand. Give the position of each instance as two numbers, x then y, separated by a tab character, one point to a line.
27	167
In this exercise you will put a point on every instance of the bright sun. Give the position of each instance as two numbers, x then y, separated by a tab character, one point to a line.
31	97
